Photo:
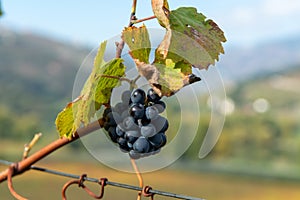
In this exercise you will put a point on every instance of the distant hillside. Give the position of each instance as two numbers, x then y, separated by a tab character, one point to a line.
240	63
36	78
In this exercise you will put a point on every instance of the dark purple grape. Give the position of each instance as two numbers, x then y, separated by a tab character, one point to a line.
137	111
112	133
138	96
148	131
141	145
152	96
126	95
110	119
106	126
160	105
117	117
124	114
161	124
123	144
119	131
158	140
106	111
151	112
120	108
129	123
134	155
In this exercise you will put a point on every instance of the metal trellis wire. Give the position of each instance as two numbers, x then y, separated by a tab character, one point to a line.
114	184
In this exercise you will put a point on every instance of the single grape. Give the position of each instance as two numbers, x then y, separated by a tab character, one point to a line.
160	105
112	133
152	96
161	124
141	145
129	123
111	120
134	155
137	111
124	114
106	111
151	112
123	144
148	131
106	126
117	117
119	131
120	107
138	96
126	95
158	140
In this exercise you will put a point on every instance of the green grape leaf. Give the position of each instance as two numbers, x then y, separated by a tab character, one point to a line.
138	41
197	39
95	93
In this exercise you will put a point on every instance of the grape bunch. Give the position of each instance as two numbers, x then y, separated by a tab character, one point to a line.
136	125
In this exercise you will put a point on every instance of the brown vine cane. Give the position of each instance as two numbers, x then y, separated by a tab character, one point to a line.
13	168
80	183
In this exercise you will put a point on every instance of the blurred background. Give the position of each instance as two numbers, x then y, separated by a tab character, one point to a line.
43	43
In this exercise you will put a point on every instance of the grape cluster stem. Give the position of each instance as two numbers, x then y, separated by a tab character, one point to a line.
139	176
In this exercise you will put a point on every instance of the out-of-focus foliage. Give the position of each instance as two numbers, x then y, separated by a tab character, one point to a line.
1	11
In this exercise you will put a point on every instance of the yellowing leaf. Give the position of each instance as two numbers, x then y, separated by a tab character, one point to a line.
139	43
170	80
195	38
167	77
161	11
65	120
95	93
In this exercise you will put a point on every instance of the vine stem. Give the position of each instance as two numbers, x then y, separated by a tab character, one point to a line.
25	164
142	20
139	176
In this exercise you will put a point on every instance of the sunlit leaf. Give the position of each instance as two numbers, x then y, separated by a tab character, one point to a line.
65	120
139	43
96	92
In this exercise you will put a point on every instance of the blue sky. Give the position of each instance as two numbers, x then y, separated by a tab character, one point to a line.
90	21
